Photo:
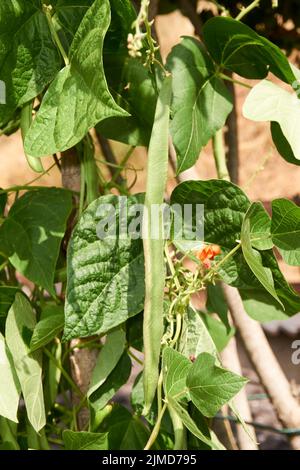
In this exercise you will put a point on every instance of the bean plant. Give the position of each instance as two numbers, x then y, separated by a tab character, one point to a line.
81	313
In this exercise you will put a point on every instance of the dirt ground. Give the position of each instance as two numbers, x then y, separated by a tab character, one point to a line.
264	175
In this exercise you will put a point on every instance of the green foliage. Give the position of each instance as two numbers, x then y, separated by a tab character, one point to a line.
67	69
20	324
236	47
28	58
32	233
78	97
201	106
210	386
105	277
9	385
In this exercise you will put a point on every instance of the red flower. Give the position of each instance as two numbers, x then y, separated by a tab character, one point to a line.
208	253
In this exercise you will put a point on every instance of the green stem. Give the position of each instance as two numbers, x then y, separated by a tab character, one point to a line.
179	431
171	267
13	189
47	10
82	188
247	10
159	392
220	156
215	268
134	357
178	330
233	80
156	428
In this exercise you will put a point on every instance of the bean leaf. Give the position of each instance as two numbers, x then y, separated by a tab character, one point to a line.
175	369
236	47
195	337
201	106
105	276
29	59
47	329
269	102
32	233
116	379
9	384
84	440
20	324
253	257
78	98
286	229
210	386
191	425
108	358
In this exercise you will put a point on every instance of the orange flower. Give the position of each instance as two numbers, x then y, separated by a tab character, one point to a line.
208	253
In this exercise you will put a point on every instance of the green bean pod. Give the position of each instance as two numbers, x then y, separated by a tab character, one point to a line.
26	120
157	172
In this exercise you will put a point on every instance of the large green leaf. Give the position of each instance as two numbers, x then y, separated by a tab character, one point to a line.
216	303
129	81
191	425
236	47
253	257
286	230
68	14
269	102
116	379
20	324
175	369
125	432
224	207
28	57
260	227
217	331
210	386
3	201
135	94
9	384
7	296
195	337
47	328
31	234
261	306
78	98
108	358
105	276
82	440
201	106
282	145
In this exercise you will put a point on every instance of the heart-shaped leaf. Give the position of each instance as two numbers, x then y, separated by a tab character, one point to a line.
210	386
29	59
105	276
201	106
78	98
253	257
20	324
286	230
236	47
269	102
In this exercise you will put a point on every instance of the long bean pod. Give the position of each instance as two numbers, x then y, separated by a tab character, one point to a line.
157	170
